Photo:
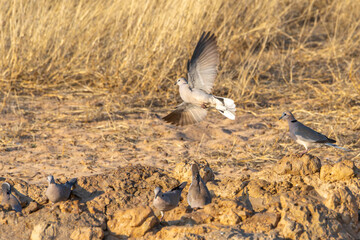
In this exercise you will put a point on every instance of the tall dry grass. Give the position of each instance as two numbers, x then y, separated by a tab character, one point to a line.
270	49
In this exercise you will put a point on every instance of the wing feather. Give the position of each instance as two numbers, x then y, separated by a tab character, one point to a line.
307	134
202	68
185	114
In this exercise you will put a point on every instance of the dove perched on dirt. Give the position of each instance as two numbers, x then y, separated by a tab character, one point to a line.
196	90
167	200
306	136
199	194
59	192
9	198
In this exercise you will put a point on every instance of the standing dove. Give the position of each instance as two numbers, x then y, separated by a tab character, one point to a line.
196	90
306	136
59	192
9	198
199	194
167	200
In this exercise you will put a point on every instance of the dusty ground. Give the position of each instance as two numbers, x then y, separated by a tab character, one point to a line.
89	136
81	134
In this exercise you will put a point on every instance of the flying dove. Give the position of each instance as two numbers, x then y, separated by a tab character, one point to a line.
199	194
306	136
196	90
167	200
9	198
59	192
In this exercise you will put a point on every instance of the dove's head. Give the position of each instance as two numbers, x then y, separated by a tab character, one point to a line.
51	179
181	81
194	170
287	116
6	188
157	191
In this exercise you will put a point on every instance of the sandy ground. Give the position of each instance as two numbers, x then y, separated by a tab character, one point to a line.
82	134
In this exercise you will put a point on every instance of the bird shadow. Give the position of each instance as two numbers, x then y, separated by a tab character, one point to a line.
244	198
227	131
245	235
181	222
111	235
84	195
21	197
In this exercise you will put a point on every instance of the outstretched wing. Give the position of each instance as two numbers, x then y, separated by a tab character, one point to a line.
202	68
186	113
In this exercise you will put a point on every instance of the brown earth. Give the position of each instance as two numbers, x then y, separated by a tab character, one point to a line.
261	188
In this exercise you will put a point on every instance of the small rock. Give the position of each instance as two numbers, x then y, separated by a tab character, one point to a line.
340	171
70	206
292	229
344	203
197	217
208	173
183	172
7	207
134	222
43	231
91	210
305	165
261	222
33	207
227	212
260	194
87	233
180	232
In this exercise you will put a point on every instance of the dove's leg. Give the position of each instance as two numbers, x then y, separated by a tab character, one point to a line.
306	150
205	105
162	215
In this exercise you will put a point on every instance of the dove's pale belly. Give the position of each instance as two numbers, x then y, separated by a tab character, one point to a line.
306	144
195	96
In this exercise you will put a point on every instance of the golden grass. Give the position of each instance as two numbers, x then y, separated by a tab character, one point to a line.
141	47
299	55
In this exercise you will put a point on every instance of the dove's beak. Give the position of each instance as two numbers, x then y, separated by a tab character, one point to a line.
175	83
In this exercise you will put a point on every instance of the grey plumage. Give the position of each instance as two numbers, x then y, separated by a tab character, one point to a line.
9	198
167	200
306	136
195	91
59	192
199	194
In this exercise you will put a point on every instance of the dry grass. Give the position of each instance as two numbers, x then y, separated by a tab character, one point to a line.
275	55
133	47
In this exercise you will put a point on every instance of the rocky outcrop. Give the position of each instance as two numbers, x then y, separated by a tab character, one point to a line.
296	198
133	222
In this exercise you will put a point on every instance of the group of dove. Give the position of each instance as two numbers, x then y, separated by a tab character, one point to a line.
197	99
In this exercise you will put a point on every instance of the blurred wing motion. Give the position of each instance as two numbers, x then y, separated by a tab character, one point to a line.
202	68
186	113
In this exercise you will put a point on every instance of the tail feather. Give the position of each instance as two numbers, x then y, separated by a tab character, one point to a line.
226	107
336	146
71	182
180	187
228	114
